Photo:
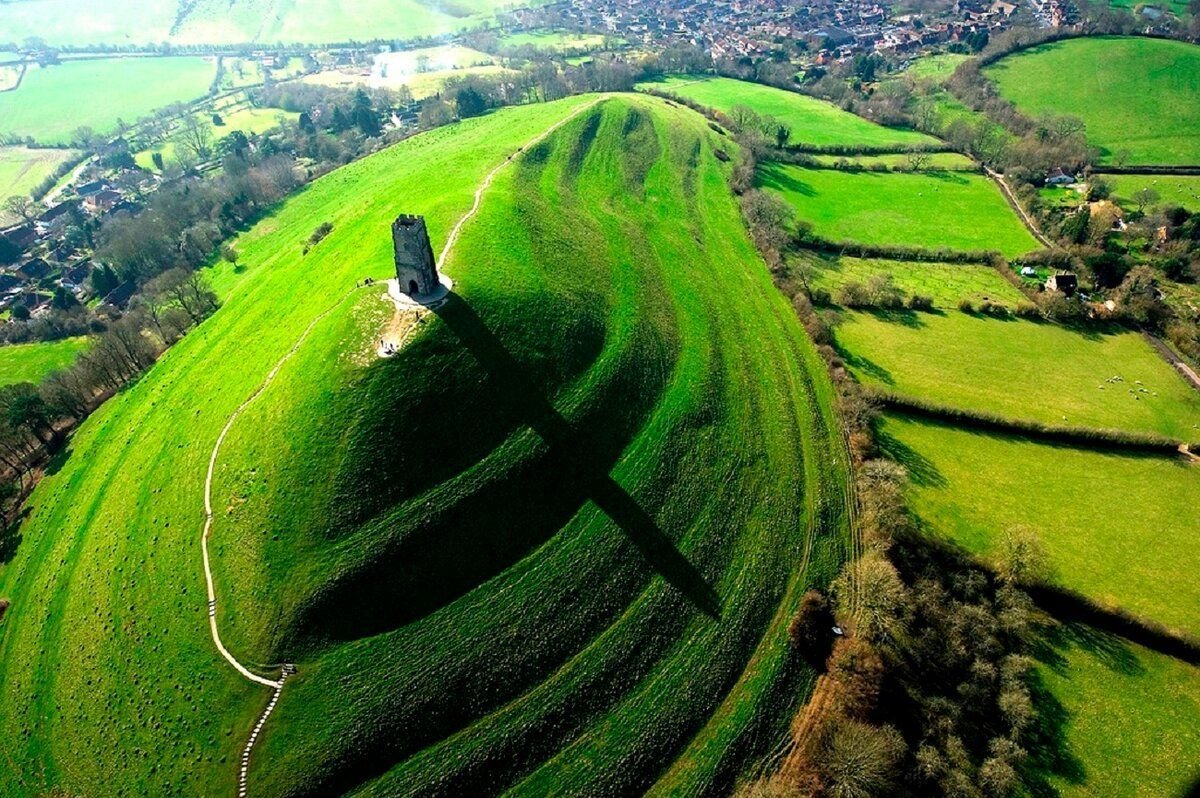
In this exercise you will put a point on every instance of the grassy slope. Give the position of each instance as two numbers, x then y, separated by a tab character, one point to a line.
942	209
1142	95
1021	369
630	308
1130	717
53	102
488	703
31	362
1116	527
22	169
812	121
80	22
113	536
945	283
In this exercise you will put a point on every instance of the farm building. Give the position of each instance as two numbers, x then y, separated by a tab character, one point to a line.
1066	283
1057	177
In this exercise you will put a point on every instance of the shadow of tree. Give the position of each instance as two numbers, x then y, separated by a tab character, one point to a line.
777	176
11	537
921	470
1050	754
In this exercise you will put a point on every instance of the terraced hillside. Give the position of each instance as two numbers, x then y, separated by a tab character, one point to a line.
556	540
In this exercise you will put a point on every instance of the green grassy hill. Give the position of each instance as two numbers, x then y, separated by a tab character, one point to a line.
927	209
813	122
1136	95
557	539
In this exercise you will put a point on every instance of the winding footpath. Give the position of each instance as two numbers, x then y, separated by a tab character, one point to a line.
276	685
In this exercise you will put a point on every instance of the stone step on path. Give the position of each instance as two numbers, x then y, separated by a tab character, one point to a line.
244	772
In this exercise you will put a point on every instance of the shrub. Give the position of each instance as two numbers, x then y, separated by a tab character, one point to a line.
920	302
853	295
883	293
322	230
1027	310
965	306
821	297
810	631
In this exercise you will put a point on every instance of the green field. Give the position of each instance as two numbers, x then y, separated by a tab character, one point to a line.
812	121
945	283
937	161
248	120
1023	370
54	101
562	42
1141	96
79	22
23	169
1117	528
1128	718
32	362
1182	190
937	68
948	210
559	537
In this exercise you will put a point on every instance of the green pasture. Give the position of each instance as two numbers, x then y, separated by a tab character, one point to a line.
1118	719
813	122
937	68
1182	190
54	101
1116	527
945	283
32	362
1137	96
948	210
936	161
1020	369
511	568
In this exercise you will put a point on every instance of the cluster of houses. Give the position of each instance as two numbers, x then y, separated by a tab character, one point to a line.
53	252
750	28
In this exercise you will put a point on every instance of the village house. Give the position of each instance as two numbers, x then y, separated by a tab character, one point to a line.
1057	177
1064	283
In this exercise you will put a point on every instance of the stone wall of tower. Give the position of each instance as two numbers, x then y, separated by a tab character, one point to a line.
415	266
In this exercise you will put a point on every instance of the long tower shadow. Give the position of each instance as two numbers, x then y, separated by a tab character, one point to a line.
510	378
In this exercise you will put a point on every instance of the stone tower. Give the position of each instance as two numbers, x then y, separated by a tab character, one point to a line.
415	269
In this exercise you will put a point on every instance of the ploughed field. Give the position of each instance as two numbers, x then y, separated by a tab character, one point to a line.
1139	97
554	543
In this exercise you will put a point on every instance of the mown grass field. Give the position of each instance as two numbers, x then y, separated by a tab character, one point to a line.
1130	717
928	209
945	283
1137	95
54	101
1115	526
247	120
1182	190
31	362
557	574
812	121
1021	369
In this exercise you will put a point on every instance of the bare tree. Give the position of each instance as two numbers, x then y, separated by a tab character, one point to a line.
196	137
21	205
